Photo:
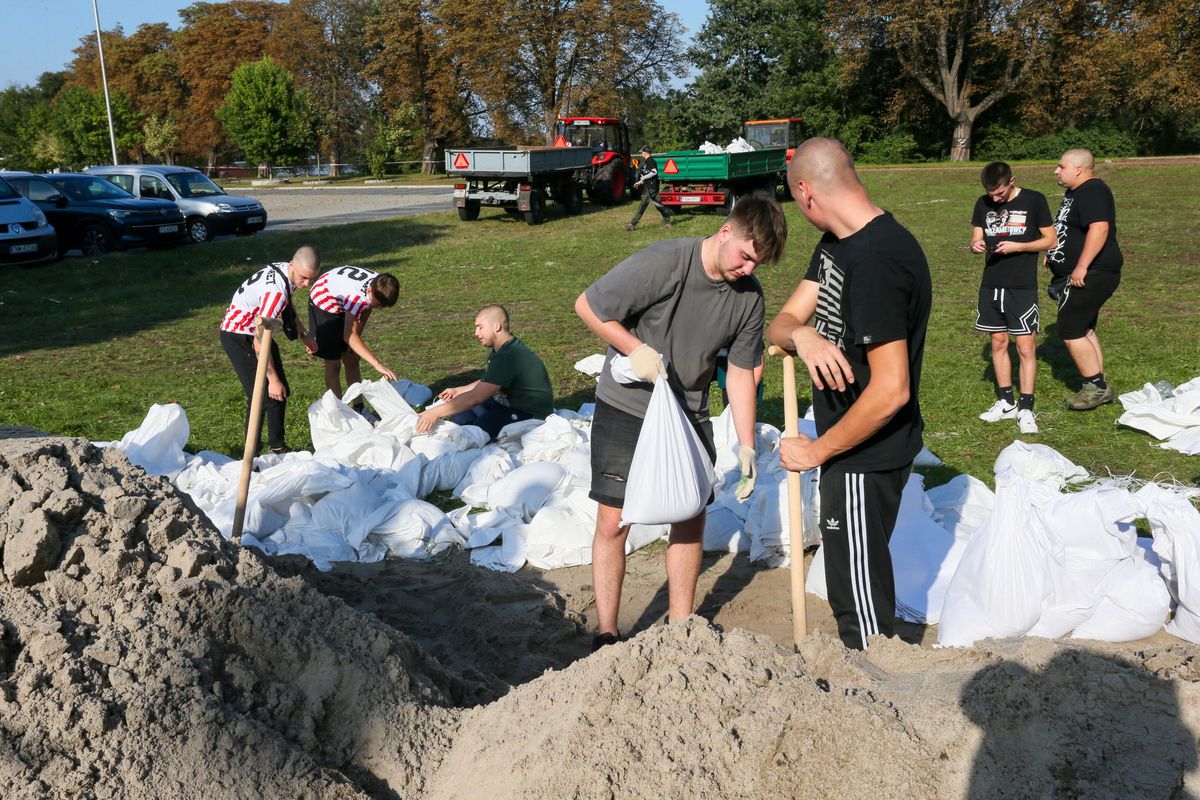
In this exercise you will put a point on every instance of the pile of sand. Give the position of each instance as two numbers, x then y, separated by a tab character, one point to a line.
142	656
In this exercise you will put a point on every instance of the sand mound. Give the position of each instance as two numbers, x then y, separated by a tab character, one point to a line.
141	656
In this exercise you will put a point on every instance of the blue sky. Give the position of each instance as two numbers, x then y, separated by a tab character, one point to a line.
42	33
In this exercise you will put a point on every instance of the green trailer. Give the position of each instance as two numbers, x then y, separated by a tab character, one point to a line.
697	178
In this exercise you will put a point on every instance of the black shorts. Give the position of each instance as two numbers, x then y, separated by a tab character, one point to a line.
1011	310
614	437
330	332
1079	308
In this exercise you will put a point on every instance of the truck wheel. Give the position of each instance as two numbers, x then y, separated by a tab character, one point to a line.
469	212
95	240
536	214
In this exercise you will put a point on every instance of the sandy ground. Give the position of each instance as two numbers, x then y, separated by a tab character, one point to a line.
143	656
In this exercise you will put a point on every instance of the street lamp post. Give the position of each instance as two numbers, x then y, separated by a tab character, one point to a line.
112	134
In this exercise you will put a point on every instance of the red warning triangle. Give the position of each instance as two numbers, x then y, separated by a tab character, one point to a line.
560	141
460	161
671	167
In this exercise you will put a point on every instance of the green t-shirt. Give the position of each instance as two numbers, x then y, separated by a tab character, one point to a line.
522	378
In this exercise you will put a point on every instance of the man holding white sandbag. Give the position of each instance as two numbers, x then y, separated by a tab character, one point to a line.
858	321
671	308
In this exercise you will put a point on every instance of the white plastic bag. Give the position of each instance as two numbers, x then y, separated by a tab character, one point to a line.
157	444
670	477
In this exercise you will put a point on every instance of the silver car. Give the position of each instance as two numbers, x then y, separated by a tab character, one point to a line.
209	210
26	236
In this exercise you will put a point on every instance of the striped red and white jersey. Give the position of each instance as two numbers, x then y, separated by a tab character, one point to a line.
265	293
343	290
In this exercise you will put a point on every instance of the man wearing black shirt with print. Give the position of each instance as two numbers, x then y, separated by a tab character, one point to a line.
1010	224
648	180
858	321
1086	265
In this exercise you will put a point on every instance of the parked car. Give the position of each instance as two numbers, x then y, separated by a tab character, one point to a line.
209	210
26	235
95	216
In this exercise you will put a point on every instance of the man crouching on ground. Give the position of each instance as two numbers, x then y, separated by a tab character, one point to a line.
515	385
685	299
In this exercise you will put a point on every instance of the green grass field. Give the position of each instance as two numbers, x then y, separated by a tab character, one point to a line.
87	346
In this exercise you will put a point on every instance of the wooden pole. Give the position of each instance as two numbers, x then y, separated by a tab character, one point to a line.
791	416
262	332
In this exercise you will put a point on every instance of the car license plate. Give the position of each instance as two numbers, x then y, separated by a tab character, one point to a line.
253	220
22	248
460	193
689	199
168	228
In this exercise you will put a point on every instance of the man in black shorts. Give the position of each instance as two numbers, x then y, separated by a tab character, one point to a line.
1010	224
858	321
685	299
339	305
1086	265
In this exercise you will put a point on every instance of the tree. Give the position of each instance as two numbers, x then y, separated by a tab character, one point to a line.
397	138
408	61
321	43
80	122
160	137
214	39
265	115
24	116
531	61
967	54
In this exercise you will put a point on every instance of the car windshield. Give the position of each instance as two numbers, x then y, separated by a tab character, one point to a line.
7	192
590	136
88	188
193	184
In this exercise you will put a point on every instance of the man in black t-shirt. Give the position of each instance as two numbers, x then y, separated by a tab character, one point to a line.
648	180
1086	265
858	321
1010	224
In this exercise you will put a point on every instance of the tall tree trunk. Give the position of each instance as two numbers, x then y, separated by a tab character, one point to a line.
429	153
960	145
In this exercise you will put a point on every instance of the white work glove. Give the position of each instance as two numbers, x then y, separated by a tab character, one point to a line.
647	364
748	466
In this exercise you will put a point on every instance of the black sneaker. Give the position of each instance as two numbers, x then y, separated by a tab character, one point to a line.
605	639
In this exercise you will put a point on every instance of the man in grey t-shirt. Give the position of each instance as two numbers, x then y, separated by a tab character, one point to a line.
671	308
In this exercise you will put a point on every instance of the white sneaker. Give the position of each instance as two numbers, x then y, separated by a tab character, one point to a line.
1026	422
999	410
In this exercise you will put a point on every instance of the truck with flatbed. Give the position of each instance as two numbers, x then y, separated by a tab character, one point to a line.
521	180
695	178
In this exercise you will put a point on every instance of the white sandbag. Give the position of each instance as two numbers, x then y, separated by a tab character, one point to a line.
416	529
577	463
1041	463
961	504
560	534
316	542
1175	526
330	420
549	441
483	528
767	517
670	476
508	556
382	396
926	458
157	444
739	145
510	437
723	532
446	471
415	394
591	366
709	147
367	449
1095	525
924	557
526	489
493	464
1133	603
1002	580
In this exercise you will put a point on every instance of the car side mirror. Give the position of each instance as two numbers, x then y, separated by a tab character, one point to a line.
60	201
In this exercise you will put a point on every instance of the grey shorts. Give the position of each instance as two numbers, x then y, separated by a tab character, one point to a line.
1011	310
614	438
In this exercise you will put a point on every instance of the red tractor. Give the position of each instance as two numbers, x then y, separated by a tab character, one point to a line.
612	160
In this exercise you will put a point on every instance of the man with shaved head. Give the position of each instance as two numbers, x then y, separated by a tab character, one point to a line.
857	321
1086	265
514	385
268	294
